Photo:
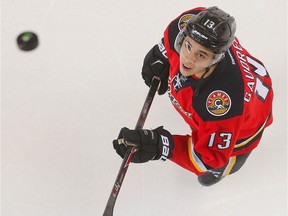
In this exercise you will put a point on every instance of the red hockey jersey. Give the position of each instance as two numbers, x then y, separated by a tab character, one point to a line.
227	111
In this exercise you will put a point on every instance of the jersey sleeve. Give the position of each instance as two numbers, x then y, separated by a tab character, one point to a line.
207	148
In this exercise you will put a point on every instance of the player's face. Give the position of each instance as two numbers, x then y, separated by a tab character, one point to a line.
194	58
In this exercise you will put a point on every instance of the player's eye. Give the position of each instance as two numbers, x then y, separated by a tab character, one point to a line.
188	46
201	56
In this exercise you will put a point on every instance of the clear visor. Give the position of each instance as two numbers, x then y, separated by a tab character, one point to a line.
199	56
197	59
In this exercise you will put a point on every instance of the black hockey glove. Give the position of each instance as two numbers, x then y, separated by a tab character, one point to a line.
156	64
151	144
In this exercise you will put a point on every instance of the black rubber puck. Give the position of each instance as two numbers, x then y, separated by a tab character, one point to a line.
27	41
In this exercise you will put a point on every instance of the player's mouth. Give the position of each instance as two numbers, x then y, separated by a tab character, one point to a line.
186	70
186	67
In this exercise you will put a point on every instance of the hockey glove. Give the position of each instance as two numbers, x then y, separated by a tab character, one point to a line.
156	64
151	144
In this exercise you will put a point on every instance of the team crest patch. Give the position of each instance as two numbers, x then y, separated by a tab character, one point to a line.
218	103
183	21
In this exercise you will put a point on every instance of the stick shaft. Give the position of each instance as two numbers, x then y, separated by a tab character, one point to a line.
130	150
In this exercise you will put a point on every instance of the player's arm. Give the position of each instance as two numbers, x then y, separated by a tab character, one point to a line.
208	148
211	150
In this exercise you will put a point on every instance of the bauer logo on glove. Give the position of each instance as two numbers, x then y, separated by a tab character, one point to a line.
151	144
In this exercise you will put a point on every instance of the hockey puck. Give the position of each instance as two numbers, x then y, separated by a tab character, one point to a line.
27	41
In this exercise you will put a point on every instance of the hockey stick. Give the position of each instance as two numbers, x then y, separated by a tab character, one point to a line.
130	150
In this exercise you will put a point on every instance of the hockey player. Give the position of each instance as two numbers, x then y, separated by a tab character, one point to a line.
221	91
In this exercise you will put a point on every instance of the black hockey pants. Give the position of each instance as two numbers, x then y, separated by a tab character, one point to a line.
215	175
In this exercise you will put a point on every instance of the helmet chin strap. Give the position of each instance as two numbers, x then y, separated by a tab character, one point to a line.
206	71
201	80
209	67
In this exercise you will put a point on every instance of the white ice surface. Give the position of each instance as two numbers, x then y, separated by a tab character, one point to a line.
63	103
